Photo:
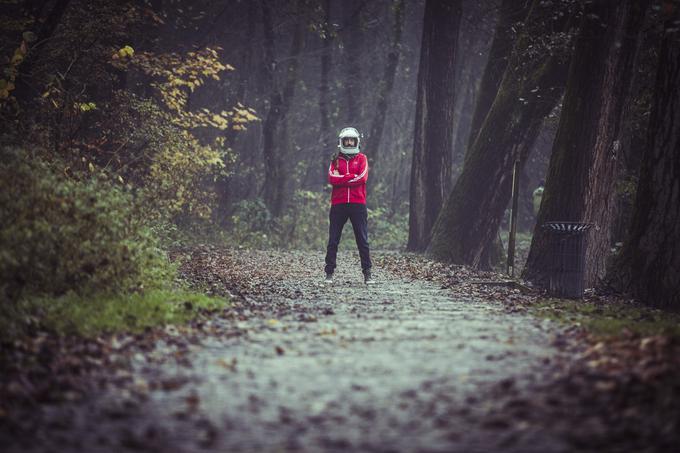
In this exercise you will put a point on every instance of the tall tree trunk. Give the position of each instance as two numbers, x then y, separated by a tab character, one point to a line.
274	131
511	12
650	259
532	85
324	90
467	91
386	83
353	43
433	135
473	52
580	181
223	188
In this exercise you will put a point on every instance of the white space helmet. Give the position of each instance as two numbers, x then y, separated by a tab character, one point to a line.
348	140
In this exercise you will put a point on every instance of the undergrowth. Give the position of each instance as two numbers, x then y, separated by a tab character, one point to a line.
70	233
88	316
306	226
610	318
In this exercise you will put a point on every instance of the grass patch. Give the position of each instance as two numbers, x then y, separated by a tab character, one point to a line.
522	246
608	318
89	316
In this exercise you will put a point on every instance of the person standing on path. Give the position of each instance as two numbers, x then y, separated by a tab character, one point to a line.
347	174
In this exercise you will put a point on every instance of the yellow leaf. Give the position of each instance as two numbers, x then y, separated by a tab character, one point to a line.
86	106
90	166
126	51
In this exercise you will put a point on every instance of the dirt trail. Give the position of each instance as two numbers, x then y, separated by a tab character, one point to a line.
397	366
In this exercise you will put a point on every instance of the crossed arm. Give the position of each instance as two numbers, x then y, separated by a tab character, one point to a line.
350	179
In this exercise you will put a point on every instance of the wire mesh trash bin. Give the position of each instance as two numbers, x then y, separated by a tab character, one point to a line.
568	242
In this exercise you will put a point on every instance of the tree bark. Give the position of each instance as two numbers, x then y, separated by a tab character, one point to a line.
386	83
324	90
511	12
433	135
274	131
223	185
650	259
582	172
353	41
477	23
532	85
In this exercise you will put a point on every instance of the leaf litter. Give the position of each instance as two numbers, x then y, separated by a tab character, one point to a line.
599	392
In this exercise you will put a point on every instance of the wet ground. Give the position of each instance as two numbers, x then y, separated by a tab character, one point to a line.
297	365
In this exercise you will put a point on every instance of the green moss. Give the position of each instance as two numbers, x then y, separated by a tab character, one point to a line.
610	318
89	316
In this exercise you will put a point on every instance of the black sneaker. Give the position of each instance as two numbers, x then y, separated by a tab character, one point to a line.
367	278
329	278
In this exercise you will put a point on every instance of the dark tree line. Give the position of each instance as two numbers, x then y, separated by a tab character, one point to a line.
222	116
531	86
650	261
582	173
302	70
433	135
578	60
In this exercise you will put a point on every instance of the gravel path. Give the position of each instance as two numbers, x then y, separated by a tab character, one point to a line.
397	366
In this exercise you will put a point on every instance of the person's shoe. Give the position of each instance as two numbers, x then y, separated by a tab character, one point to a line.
367	278
329	278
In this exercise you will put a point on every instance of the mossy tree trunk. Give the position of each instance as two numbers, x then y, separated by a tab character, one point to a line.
511	18
531	86
433	134
582	172
650	259
512	13
474	46
274	129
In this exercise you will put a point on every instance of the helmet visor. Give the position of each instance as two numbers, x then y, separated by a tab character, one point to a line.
349	142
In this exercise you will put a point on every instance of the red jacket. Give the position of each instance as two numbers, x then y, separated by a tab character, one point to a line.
350	185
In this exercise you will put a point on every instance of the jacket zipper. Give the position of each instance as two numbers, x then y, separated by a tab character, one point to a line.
347	173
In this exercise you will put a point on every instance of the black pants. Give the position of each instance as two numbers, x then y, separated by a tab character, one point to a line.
358	215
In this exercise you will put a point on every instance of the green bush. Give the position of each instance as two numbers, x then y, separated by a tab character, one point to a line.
59	234
252	225
305	225
387	232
